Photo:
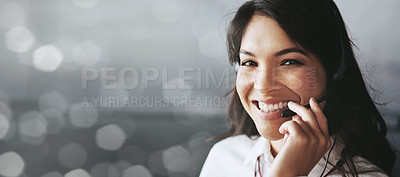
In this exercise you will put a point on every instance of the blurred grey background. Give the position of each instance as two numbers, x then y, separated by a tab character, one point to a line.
134	88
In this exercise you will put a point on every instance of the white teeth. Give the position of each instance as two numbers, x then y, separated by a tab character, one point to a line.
262	106
272	107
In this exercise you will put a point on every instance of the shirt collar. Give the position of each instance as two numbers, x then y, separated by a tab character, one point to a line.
261	146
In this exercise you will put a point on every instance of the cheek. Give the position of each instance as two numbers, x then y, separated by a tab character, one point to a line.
293	80
243	87
305	82
242	84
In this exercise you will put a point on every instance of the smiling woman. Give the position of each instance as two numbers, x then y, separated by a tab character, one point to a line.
266	55
289	53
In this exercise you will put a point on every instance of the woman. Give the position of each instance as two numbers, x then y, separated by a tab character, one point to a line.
290	53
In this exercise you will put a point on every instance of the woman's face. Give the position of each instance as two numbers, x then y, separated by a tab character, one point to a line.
274	70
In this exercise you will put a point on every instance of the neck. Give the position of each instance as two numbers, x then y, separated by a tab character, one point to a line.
276	146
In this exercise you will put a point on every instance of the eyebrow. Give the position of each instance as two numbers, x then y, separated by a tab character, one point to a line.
279	53
290	50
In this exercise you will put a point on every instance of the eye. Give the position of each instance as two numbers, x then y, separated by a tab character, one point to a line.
289	62
248	63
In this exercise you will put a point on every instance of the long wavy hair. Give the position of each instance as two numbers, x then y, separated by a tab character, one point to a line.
318	27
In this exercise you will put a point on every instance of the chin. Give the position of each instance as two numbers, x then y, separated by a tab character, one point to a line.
271	134
269	129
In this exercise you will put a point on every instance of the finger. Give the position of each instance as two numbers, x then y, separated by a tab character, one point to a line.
306	114
292	128
313	138
322	122
320	117
285	138
304	126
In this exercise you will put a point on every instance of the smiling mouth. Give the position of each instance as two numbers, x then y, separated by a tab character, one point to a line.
268	108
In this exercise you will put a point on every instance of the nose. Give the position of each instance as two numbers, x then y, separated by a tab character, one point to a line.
265	80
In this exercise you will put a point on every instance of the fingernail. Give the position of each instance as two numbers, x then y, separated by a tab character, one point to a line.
313	99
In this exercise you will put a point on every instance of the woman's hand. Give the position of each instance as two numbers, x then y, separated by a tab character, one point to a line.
306	140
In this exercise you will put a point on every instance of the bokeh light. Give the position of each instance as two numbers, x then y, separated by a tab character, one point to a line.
137	171
4	126
110	137
12	129
77	173
11	164
47	58
5	110
19	39
82	117
176	159
32	124
7	126
72	155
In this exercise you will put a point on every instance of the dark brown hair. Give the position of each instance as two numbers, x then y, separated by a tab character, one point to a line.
318	27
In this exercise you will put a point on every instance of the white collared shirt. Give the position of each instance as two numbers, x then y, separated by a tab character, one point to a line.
237	156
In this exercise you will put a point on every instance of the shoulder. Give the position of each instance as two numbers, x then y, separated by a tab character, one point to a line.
364	168
233	148
367	168
226	155
235	143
